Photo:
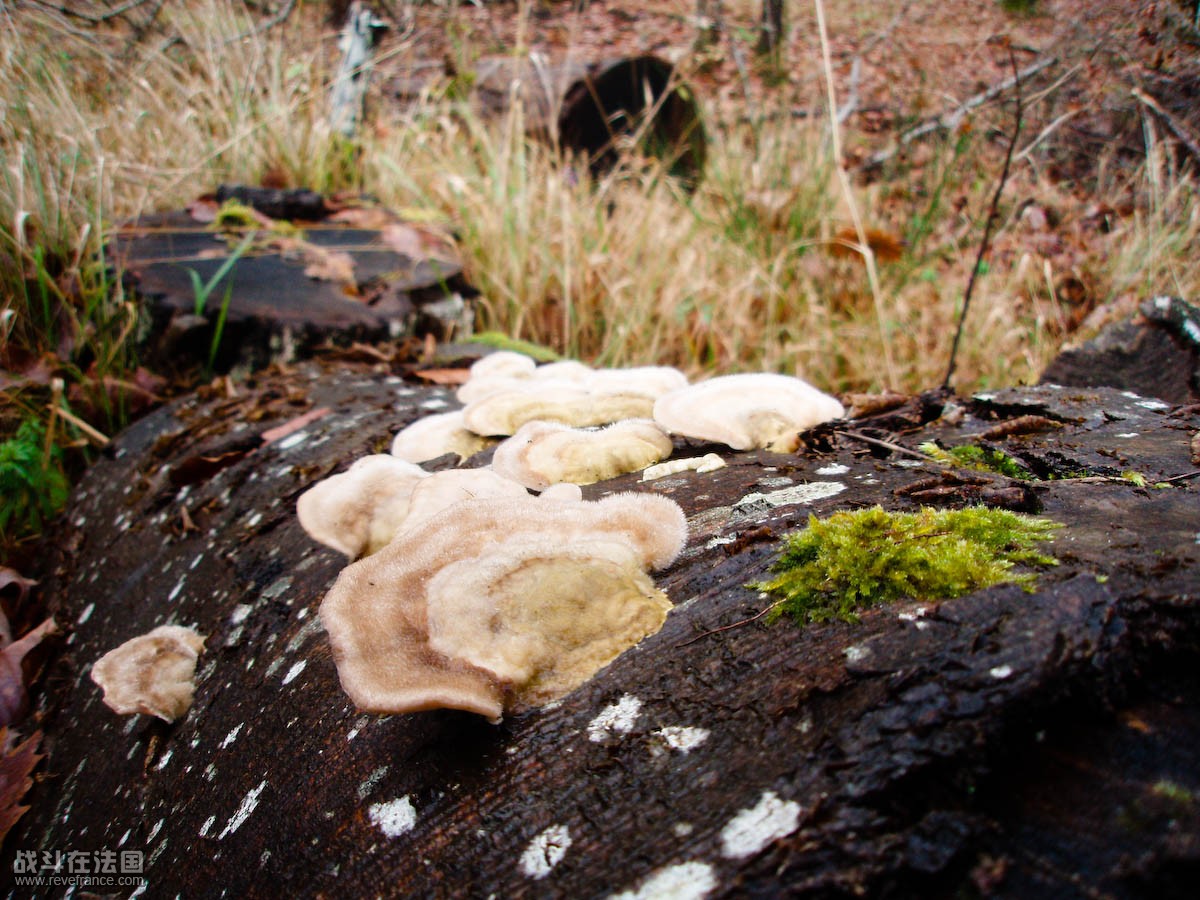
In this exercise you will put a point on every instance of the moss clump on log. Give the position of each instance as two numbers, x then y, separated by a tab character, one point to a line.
853	560
982	459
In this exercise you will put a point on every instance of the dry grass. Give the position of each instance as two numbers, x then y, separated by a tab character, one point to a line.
743	274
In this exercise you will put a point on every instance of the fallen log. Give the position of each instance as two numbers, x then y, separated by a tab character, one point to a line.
1002	742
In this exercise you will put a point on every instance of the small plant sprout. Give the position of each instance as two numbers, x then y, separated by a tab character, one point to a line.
981	459
854	560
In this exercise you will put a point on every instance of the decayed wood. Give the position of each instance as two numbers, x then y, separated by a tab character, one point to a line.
1022	743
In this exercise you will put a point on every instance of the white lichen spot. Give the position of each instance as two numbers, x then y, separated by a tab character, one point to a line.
751	830
791	496
835	469
720	541
175	590
166	758
1127	434
86	614
370	781
294	671
232	736
293	440
1000	672
123	839
684	738
779	481
545	851
1153	404
253	519
208	823
248	805
434	403
857	653
682	829
986	398
616	718
155	830
684	881
393	817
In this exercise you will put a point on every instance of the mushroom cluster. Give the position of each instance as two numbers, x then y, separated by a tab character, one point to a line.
468	592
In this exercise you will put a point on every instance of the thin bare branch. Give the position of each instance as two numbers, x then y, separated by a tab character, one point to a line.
993	215
951	120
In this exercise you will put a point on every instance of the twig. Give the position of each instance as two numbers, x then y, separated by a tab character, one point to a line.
277	19
738	624
1045	133
953	119
1177	128
887	445
92	19
864	247
993	215
847	109
1183	477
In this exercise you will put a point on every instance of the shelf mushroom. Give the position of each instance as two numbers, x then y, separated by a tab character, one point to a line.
747	411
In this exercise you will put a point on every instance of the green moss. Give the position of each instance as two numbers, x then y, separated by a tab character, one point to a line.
504	342
981	459
853	560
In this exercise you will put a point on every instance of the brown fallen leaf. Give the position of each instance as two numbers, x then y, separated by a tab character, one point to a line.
204	209
12	676
16	766
279	432
367	217
201	468
870	404
444	376
329	265
1196	449
886	247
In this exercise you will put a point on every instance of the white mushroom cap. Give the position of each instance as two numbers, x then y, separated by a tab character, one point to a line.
494	372
562	493
564	370
151	673
361	509
543	617
377	611
544	453
645	381
436	435
443	489
746	411
502	413
503	364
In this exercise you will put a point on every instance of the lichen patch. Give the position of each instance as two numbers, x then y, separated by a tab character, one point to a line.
545	851
615	719
753	829
393	817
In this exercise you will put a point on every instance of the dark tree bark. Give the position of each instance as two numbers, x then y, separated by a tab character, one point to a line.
770	30
1025	744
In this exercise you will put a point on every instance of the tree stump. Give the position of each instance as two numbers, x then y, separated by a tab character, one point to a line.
1003	742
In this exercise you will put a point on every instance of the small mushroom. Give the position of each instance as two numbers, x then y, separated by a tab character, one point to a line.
516	551
502	413
435	436
747	411
709	462
359	510
151	673
544	453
